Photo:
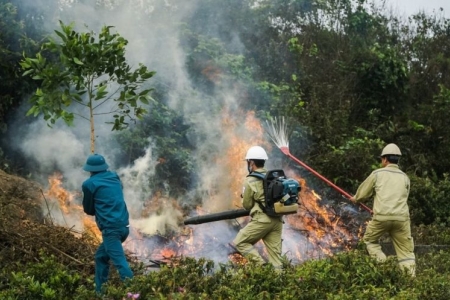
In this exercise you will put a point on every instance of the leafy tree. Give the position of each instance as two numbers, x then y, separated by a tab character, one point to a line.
8	26
19	33
14	39
88	71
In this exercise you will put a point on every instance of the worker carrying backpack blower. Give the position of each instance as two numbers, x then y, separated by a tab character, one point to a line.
265	223
281	193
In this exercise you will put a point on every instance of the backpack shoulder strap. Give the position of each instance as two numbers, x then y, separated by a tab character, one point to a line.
257	175
262	177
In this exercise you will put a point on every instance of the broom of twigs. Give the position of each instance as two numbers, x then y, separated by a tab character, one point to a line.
278	133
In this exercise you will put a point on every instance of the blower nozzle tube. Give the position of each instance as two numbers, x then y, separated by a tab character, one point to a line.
229	214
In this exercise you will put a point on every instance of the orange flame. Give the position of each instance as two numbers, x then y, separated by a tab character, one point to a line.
315	222
56	191
65	200
234	158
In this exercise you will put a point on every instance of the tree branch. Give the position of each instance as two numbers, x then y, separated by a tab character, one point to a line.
107	98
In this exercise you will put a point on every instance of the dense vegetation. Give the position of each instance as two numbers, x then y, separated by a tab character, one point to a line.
379	78
351	275
348	76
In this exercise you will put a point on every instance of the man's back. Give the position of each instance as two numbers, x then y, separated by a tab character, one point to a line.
104	189
391	191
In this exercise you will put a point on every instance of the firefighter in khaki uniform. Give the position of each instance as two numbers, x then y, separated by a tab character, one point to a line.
261	225
390	188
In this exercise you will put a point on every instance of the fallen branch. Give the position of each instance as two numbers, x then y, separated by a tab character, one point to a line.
65	254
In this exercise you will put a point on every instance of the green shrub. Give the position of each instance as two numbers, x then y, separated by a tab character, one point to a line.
357	155
434	234
433	285
428	200
344	276
46	279
350	273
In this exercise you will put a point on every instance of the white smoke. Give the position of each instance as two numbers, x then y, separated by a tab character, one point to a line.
159	223
55	150
153	30
136	180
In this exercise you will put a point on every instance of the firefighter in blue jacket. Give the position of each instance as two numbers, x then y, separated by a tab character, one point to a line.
103	198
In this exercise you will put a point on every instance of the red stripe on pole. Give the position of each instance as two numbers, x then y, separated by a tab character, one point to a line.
285	150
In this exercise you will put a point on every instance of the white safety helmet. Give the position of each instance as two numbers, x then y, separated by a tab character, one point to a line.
256	152
391	149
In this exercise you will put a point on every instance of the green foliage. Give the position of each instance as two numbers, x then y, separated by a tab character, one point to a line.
382	78
168	136
88	71
210	65
352	273
10	28
14	40
351	81
278	99
18	33
434	234
433	285
428	200
355	80
358	155
348	275
433	133
46	279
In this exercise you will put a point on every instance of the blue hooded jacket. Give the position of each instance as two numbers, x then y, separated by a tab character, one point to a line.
103	198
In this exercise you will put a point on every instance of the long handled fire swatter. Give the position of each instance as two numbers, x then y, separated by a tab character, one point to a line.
277	131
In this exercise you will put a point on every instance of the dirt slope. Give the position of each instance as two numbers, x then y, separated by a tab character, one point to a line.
24	232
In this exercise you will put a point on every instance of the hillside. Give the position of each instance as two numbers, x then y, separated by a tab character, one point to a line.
25	233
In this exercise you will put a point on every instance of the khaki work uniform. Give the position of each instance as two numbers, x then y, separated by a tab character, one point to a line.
390	188
261	226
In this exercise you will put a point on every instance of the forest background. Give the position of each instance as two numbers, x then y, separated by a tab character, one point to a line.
348	76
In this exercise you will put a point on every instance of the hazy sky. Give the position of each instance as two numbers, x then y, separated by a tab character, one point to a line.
408	7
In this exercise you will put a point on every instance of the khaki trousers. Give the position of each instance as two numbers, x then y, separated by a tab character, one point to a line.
400	233
261	227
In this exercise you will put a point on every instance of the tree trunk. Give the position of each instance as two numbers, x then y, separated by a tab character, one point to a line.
91	118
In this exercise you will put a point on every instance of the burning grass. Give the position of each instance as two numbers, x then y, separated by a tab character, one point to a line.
315	232
59	260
